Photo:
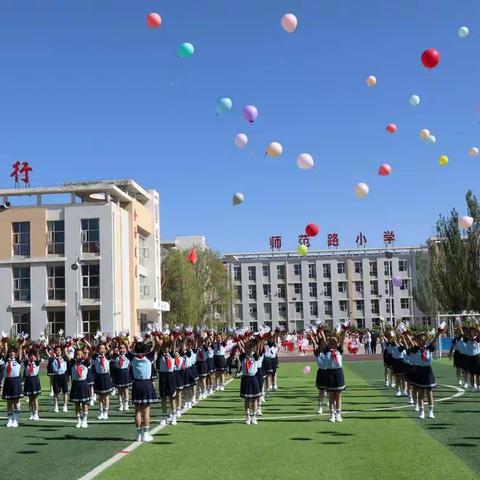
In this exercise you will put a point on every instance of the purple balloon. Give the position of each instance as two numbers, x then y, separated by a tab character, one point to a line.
250	113
397	281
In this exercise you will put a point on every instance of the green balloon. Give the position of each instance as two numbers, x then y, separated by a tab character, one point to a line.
302	250
186	50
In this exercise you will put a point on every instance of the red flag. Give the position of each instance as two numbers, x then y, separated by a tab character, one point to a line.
192	256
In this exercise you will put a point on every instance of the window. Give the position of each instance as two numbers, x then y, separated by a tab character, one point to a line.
360	306
404	285
373	287
144	288
328	308
91	322
91	280
358	267
376	322
297	269
281	272
297	288
56	283
267	310
237	273
402	266
314	309
387	306
405	303
327	289
252	274
282	310
237	292
253	326
21	284
388	287
359	287
360	323
267	291
56	237
56	322
21	238
90	235
341	267
282	324
312	287
21	322
252	292
387	268
375	306
373	268
281	292
299	308
144	252
237	311
312	271
342	287
269	324
143	321
266	270
327	272
343	305
252	310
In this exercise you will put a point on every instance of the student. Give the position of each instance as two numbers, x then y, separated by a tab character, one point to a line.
220	362
87	353
319	345
121	379
12	387
472	352
210	365
167	387
31	386
80	390
398	353
202	367
249	386
102	380
58	366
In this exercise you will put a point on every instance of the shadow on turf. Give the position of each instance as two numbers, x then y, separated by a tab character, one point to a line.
462	444
301	439
84	439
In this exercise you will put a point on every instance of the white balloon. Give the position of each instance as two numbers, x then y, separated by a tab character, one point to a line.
463	32
305	161
238	198
414	100
371	81
361	190
424	133
473	152
465	222
241	140
431	139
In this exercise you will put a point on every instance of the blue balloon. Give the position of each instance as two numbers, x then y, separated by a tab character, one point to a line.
224	105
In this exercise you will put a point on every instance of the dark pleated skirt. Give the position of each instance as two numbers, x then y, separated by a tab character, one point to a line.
275	364
387	359
102	384
179	379
259	376
220	363
12	388
424	377
31	386
267	365
457	359
473	364
122	378
202	369
249	387
321	381
409	372
210	365
60	383
143	392
80	392
398	366
335	380
167	387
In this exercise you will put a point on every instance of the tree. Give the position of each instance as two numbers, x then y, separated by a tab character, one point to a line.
473	241
200	293
423	291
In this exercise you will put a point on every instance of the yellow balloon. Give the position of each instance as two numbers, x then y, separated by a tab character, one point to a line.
274	149
443	160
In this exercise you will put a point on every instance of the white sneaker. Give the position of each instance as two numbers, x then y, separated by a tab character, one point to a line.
174	420
65	408
248	420
14	423
9	423
260	413
393	385
31	416
254	420
275	387
332	418
338	417
194	402
460	382
100	416
92	403
84	422
222	388
320	410
51	393
36	417
79	423
422	414
178	413
410	401
417	408
120	408
430	414
55	409
163	421
217	387
399	393
147	437
405	394
125	407
105	415
139	437
387	383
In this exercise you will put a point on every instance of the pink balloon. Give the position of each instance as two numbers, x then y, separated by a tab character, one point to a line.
391	128
385	170
154	20
250	113
289	22
397	281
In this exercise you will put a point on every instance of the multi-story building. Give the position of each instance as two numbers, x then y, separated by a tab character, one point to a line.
285	289
80	257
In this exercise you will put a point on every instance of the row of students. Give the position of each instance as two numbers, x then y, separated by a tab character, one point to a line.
465	351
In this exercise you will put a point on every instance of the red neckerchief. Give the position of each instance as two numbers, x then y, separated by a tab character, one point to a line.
334	355
168	360
9	368
120	361
140	355
79	370
102	362
177	361
424	355
248	364
59	363
30	369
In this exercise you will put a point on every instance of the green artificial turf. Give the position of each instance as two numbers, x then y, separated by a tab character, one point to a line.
375	441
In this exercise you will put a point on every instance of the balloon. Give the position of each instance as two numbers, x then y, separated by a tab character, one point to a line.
361	190
192	256
371	81
424	133
443	160
385	170
224	105
465	222
289	22
154	20
250	113
186	50
241	140
463	32
305	161
312	230
274	149
391	128
431	139
397	281
306	369
302	250
473	152
430	58
414	100
238	198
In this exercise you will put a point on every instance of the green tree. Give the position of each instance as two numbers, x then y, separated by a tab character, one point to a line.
199	294
423	290
473	242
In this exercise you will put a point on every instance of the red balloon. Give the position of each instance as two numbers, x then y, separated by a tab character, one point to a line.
192	256
312	230
154	20
385	170
430	58
391	128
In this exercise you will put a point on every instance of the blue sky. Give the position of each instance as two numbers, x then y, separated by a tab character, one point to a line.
87	91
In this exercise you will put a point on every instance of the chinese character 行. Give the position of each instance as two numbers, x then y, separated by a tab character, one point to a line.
15	171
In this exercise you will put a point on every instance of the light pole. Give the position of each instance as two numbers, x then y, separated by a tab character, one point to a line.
76	268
